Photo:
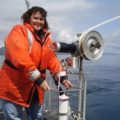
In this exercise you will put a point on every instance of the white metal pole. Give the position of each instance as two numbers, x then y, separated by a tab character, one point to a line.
82	93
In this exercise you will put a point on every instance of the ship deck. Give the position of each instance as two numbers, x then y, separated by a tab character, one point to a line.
47	116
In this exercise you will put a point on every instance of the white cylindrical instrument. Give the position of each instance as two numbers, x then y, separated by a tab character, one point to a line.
63	107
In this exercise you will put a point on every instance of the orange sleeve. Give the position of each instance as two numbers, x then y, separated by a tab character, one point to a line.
17	49
54	63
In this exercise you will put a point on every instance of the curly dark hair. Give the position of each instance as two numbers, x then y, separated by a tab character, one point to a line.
26	16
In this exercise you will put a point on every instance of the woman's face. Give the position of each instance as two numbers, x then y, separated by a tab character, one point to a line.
37	21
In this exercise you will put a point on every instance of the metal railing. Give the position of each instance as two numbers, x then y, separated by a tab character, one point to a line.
77	97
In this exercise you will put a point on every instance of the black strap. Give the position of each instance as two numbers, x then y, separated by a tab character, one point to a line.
43	71
40	81
62	78
10	64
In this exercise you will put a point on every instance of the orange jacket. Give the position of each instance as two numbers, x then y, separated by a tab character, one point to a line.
15	85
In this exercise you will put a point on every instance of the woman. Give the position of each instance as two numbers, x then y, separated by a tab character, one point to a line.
22	77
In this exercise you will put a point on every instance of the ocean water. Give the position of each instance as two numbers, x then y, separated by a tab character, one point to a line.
103	87
103	92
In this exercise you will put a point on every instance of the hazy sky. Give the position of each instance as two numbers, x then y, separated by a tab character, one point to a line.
65	17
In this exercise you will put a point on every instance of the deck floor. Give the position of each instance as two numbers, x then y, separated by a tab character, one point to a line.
47	116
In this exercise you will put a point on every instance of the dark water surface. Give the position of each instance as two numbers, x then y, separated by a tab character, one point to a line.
103	92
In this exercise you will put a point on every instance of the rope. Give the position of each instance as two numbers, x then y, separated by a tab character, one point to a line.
103	23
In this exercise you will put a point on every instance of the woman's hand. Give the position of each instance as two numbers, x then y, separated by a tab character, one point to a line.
67	84
44	85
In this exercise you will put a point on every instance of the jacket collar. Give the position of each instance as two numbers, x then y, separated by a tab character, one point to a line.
32	30
47	33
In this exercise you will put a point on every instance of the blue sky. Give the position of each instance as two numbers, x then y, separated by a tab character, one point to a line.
66	18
